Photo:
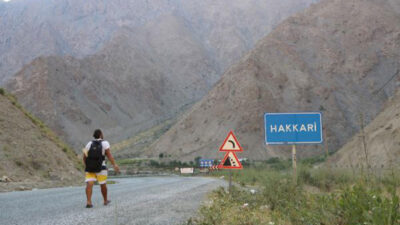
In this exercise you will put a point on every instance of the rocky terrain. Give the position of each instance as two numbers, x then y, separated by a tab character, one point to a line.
131	64
69	27
30	155
382	142
340	57
225	29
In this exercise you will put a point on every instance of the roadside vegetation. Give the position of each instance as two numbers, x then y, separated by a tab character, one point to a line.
161	165
266	194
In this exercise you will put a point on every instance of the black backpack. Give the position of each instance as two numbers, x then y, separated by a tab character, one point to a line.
95	157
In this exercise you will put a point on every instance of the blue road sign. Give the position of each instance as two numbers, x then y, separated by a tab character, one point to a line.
293	128
206	163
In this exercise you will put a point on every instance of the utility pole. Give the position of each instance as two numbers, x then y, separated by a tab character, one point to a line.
363	141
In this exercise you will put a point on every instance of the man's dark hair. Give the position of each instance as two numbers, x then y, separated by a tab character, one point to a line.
97	133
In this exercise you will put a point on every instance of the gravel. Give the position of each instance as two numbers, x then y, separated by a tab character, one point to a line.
150	200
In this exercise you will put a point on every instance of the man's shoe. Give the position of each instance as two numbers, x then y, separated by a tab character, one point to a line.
107	202
89	206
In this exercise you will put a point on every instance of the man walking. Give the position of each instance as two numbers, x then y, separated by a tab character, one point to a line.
95	166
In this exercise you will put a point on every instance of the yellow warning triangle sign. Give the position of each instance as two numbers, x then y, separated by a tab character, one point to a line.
231	144
230	161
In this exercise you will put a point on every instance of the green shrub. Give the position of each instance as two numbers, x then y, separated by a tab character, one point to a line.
322	196
175	163
273	160
359	205
279	193
313	160
304	176
2	92
19	163
323	178
197	161
282	165
229	208
154	163
278	164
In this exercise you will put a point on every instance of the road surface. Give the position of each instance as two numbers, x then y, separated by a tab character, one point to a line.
151	200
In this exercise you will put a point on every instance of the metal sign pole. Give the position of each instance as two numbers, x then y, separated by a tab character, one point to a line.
294	162
326	145
230	146
230	181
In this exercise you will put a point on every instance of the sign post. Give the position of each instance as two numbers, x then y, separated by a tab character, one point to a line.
293	129
294	164
230	181
231	145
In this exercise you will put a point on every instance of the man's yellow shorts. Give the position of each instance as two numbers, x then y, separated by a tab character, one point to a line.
100	177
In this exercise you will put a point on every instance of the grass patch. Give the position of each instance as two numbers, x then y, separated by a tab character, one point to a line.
320	196
111	182
326	179
226	209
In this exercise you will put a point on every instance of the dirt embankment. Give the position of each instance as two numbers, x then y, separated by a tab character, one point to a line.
31	155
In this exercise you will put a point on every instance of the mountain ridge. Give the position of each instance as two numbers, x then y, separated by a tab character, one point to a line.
326	58
80	29
143	75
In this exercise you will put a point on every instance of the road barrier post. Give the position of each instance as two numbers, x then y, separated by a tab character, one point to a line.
294	163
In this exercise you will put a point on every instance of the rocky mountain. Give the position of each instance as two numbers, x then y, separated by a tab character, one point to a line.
30	154
159	58
225	29
382	142
340	57
121	89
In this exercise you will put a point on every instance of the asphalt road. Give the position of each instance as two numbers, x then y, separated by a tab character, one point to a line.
151	200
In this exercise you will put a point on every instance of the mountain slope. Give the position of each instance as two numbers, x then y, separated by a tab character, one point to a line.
334	58
145	73
382	138
30	155
121	89
226	29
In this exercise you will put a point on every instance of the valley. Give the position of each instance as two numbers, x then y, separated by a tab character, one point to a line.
310	88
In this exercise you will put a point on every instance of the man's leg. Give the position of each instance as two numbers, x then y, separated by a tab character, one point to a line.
104	192
102	179
89	191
